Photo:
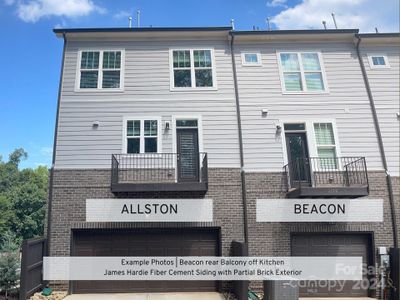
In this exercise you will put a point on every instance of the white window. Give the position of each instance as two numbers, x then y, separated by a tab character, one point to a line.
251	59
142	136
302	72
193	68
326	145
378	61
100	70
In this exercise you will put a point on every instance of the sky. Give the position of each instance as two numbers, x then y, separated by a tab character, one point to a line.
31	54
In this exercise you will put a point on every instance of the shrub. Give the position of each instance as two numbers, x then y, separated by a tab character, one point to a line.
9	265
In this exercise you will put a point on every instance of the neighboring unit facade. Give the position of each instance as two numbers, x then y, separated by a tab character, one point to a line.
209	113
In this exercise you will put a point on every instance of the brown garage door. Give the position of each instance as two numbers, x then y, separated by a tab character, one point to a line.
332	245
160	242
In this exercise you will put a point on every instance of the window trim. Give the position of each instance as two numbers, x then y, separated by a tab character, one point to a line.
371	64
100	70
142	137
192	73
246	64
310	133
305	91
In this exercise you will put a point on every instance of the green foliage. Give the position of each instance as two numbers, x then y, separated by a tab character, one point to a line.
9	264
23	195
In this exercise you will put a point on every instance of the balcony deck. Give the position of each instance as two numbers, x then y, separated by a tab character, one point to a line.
159	172
339	177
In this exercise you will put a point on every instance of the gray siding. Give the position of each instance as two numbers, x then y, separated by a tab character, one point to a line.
346	103
147	93
385	87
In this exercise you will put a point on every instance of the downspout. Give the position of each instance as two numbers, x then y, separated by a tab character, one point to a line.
51	179
380	142
239	124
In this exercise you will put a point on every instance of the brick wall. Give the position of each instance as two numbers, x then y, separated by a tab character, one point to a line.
273	239
71	188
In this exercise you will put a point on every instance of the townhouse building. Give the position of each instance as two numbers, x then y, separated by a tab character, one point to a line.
233	116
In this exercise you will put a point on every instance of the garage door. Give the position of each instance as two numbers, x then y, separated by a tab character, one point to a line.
332	245
161	242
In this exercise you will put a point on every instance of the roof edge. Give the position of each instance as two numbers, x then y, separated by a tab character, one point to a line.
296	31
379	35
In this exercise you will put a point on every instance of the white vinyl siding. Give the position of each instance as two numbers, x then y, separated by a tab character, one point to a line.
302	72
146	95
347	103
385	88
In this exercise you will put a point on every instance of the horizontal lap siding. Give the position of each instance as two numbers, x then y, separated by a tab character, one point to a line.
147	93
385	87
346	102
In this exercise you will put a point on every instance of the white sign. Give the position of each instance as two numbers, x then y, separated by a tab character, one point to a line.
149	210
202	268
319	210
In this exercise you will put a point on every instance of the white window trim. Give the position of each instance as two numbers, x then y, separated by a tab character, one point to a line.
310	133
192	73
305	91
371	64
247	64
141	119
100	70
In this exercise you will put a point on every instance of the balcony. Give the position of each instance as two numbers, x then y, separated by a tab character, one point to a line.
315	177
159	172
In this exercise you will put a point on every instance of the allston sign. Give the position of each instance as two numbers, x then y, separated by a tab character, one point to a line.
319	210
149	210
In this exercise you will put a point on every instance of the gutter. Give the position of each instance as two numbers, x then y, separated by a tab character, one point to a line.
49	205
380	142
239	123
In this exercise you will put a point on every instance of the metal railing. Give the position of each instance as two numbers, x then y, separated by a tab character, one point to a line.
326	172
157	168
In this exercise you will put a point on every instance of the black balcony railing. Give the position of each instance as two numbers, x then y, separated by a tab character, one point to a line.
329	175
152	172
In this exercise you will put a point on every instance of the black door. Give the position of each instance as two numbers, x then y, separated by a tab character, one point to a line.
188	154
296	144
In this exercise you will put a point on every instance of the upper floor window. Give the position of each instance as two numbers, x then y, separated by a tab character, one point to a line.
302	72
251	59
100	70
192	69
142	136
378	61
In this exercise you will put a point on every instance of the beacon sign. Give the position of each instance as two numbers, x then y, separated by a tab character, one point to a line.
319	210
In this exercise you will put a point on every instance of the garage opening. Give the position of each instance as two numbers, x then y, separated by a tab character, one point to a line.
328	244
145	242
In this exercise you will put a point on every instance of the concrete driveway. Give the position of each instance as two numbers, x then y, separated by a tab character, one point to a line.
152	296
354	298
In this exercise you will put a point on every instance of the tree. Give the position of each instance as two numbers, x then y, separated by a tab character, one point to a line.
17	155
9	264
23	195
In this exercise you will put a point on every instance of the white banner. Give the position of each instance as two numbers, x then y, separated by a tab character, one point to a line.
319	210
149	210
202	268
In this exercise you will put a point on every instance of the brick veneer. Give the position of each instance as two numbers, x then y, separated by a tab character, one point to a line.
273	239
71	188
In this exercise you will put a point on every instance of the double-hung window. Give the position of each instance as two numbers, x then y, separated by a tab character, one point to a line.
100	70
326	146
192	69
142	136
302	72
